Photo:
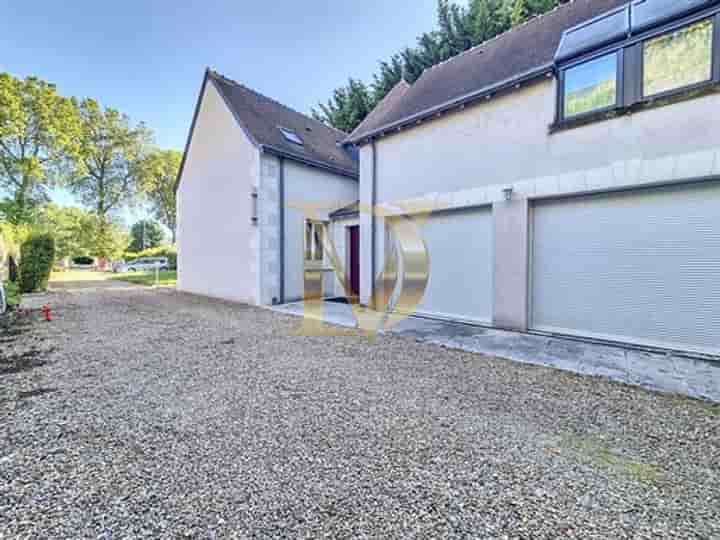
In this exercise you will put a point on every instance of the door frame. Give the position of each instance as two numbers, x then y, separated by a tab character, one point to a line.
350	268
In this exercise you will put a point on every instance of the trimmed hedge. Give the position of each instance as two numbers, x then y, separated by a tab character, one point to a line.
37	256
12	292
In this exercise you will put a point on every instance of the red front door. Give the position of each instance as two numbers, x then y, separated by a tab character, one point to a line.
354	271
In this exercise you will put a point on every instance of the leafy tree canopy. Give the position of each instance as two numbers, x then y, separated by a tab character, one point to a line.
106	173
459	28
39	133
74	229
145	234
159	173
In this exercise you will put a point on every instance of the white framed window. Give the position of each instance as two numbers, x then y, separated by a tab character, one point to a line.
314	238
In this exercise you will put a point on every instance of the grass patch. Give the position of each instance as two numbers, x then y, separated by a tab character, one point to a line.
78	275
594	452
167	278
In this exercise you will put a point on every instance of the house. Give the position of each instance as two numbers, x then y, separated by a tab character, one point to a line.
574	165
256	189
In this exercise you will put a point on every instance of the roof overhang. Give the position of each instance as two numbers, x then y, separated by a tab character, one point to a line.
483	94
279	152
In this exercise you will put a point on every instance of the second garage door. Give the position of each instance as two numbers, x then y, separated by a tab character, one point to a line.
641	266
459	244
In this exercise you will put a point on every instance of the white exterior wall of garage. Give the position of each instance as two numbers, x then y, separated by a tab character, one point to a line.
462	162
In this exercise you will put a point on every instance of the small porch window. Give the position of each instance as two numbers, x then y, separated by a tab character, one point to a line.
314	238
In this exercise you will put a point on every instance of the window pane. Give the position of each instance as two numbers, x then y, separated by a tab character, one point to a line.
591	86
308	240
318	242
678	59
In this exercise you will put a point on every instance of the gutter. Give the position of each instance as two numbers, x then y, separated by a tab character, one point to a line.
458	102
281	212
373	203
269	149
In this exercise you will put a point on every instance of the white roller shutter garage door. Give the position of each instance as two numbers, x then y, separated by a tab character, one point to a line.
641	266
459	245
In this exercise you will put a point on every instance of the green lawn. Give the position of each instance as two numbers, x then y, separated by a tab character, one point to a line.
166	278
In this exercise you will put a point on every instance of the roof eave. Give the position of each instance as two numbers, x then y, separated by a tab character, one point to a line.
458	102
269	149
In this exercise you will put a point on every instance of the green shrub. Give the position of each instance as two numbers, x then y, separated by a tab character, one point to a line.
37	255
12	294
162	251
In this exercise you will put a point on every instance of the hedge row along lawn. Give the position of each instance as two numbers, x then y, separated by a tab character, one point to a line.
167	278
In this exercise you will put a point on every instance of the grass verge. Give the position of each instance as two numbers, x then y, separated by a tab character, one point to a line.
594	452
167	278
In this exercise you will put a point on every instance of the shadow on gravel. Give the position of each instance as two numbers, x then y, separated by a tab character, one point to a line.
36	392
12	329
17	363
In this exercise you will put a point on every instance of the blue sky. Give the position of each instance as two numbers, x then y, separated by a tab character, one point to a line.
147	57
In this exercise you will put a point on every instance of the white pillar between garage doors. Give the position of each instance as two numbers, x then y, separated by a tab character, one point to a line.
511	264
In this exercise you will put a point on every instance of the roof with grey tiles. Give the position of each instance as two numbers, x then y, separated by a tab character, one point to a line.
262	117
519	51
379	113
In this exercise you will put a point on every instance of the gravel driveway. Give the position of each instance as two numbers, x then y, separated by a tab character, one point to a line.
161	415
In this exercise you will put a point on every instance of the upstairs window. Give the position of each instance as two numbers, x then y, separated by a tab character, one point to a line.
591	86
681	58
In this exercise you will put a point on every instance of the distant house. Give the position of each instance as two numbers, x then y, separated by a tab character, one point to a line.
574	163
251	167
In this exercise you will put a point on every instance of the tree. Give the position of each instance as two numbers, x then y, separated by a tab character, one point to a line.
488	19
159	174
110	240
347	108
458	29
107	171
145	234
520	12
74	230
39	132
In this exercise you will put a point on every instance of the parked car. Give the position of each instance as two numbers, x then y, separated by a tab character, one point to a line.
83	263
144	264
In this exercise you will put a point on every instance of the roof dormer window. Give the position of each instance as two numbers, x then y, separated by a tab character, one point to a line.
290	136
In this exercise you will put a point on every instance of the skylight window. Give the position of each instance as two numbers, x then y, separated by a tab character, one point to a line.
290	136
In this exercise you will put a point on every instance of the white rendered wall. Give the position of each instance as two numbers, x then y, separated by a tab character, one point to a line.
325	191
217	243
467	158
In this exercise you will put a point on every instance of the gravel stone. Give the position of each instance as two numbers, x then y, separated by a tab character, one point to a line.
153	414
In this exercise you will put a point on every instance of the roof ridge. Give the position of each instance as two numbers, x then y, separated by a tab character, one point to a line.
228	80
532	20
